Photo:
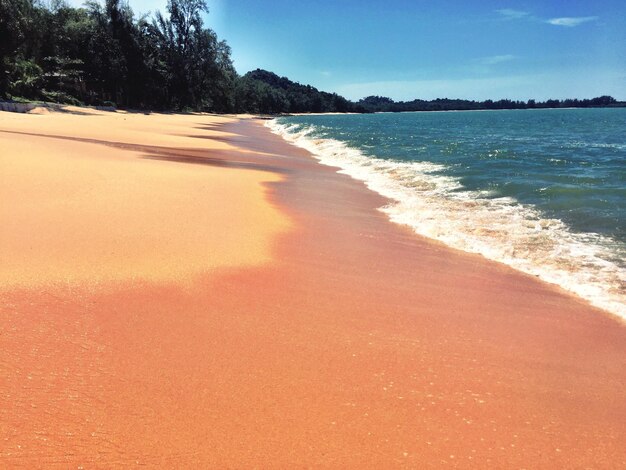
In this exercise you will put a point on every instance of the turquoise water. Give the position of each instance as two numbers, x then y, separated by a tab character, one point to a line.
541	190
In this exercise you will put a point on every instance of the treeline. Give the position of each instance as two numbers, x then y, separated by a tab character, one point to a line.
373	104
103	55
266	92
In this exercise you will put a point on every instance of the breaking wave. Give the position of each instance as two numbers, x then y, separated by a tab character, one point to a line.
500	228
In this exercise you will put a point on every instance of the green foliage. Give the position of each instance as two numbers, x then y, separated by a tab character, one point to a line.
25	78
14	27
102	53
265	92
60	97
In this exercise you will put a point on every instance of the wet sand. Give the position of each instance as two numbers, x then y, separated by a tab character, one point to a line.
337	339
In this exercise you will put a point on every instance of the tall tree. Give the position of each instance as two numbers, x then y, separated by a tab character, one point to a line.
179	36
15	17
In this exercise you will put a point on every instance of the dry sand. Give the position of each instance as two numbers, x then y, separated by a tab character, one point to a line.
224	301
85	212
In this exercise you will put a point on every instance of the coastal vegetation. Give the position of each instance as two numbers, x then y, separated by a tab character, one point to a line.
104	55
383	104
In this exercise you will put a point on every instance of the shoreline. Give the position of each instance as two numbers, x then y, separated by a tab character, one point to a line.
353	343
385	200
595	287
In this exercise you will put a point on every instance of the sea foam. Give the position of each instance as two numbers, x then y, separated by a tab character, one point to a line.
499	228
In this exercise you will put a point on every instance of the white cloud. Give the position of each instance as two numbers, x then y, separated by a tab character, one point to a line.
511	14
495	59
567	21
571	21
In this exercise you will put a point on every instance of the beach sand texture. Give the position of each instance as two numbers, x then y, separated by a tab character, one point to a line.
190	291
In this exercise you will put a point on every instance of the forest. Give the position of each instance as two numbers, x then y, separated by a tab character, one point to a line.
383	104
104	55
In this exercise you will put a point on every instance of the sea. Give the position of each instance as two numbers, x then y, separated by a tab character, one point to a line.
543	190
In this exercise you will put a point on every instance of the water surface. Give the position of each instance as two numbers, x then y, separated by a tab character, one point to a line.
543	191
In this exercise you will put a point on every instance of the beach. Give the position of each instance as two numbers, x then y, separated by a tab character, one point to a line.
192	291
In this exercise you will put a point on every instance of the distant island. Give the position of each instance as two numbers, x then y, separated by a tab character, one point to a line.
102	55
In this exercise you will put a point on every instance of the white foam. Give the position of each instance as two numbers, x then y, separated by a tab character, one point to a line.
501	229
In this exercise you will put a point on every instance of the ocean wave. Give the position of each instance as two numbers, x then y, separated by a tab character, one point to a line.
613	146
500	228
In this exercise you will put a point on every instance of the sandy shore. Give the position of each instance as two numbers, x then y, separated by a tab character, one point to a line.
191	291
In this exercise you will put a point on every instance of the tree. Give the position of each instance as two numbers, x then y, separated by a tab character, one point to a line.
182	41
25	78
14	24
603	101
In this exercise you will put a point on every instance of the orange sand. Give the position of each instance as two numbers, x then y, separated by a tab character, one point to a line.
336	339
75	212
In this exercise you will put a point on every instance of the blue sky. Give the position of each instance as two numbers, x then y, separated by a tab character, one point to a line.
428	49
